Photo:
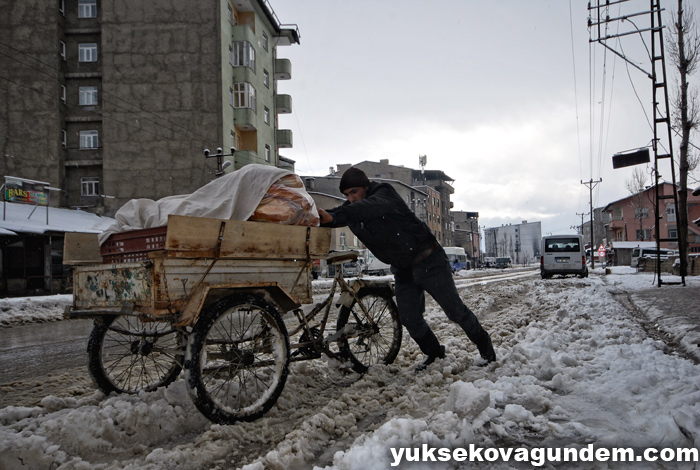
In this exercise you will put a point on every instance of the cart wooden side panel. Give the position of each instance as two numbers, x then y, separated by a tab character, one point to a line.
242	239
105	286
177	278
202	254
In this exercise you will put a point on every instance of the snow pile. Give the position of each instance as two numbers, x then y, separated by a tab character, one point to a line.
575	369
23	310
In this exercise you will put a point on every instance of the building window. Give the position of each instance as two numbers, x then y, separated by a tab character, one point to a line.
268	153
242	55
87	52
88	95
641	213
672	231
264	41
63	50
267	115
266	78
670	213
342	239
62	7
644	234
64	139
88	140
87	8
244	96
90	186
230	14
63	94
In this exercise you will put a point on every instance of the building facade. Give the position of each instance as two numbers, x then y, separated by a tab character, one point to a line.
521	242
633	218
601	219
110	102
466	234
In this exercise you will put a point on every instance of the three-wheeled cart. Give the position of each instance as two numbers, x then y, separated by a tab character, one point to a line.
222	300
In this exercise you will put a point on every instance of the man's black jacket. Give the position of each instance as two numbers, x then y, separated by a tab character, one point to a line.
385	224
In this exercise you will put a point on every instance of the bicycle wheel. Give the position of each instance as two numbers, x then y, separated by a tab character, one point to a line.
127	355
237	359
372	343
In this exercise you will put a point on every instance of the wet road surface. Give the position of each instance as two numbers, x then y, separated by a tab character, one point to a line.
30	351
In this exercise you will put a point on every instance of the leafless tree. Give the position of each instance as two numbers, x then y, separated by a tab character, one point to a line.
636	185
685	53
637	181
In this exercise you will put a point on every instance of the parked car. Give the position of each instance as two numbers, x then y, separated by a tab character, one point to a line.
352	269
503	262
563	255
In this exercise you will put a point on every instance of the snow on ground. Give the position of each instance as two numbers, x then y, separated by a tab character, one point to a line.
16	311
575	368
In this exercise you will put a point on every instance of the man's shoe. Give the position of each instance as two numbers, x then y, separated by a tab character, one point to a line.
489	358
431	359
486	349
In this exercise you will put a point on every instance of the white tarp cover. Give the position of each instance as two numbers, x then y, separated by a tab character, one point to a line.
234	196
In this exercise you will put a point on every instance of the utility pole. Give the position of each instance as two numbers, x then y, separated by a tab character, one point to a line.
591	184
662	143
582	215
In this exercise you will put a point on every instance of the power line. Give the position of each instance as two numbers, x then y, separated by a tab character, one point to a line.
196	137
573	64
54	98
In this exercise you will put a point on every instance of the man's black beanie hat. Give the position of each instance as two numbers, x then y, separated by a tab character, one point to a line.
353	178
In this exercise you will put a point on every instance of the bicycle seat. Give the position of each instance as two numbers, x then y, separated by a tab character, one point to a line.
336	257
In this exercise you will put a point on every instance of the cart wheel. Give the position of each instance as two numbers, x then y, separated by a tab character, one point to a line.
126	355
237	359
369	345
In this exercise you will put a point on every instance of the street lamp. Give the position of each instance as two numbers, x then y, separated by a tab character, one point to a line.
219	155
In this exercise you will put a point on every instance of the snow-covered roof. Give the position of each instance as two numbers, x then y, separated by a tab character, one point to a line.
25	218
633	244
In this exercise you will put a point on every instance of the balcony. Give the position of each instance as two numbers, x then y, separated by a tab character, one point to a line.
289	34
243	32
283	103
243	75
284	139
244	157
283	69
244	119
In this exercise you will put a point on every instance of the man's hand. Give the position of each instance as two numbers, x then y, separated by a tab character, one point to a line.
325	216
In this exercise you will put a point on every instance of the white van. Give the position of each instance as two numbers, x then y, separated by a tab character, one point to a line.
638	252
563	254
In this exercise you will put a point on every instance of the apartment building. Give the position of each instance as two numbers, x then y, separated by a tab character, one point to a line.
521	242
466	233
599	236
633	218
110	101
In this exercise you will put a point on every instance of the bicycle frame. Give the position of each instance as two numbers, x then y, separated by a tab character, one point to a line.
316	339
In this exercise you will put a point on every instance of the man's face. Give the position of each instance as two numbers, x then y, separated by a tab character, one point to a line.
355	194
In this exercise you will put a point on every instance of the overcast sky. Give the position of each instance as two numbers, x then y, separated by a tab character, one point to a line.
497	94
